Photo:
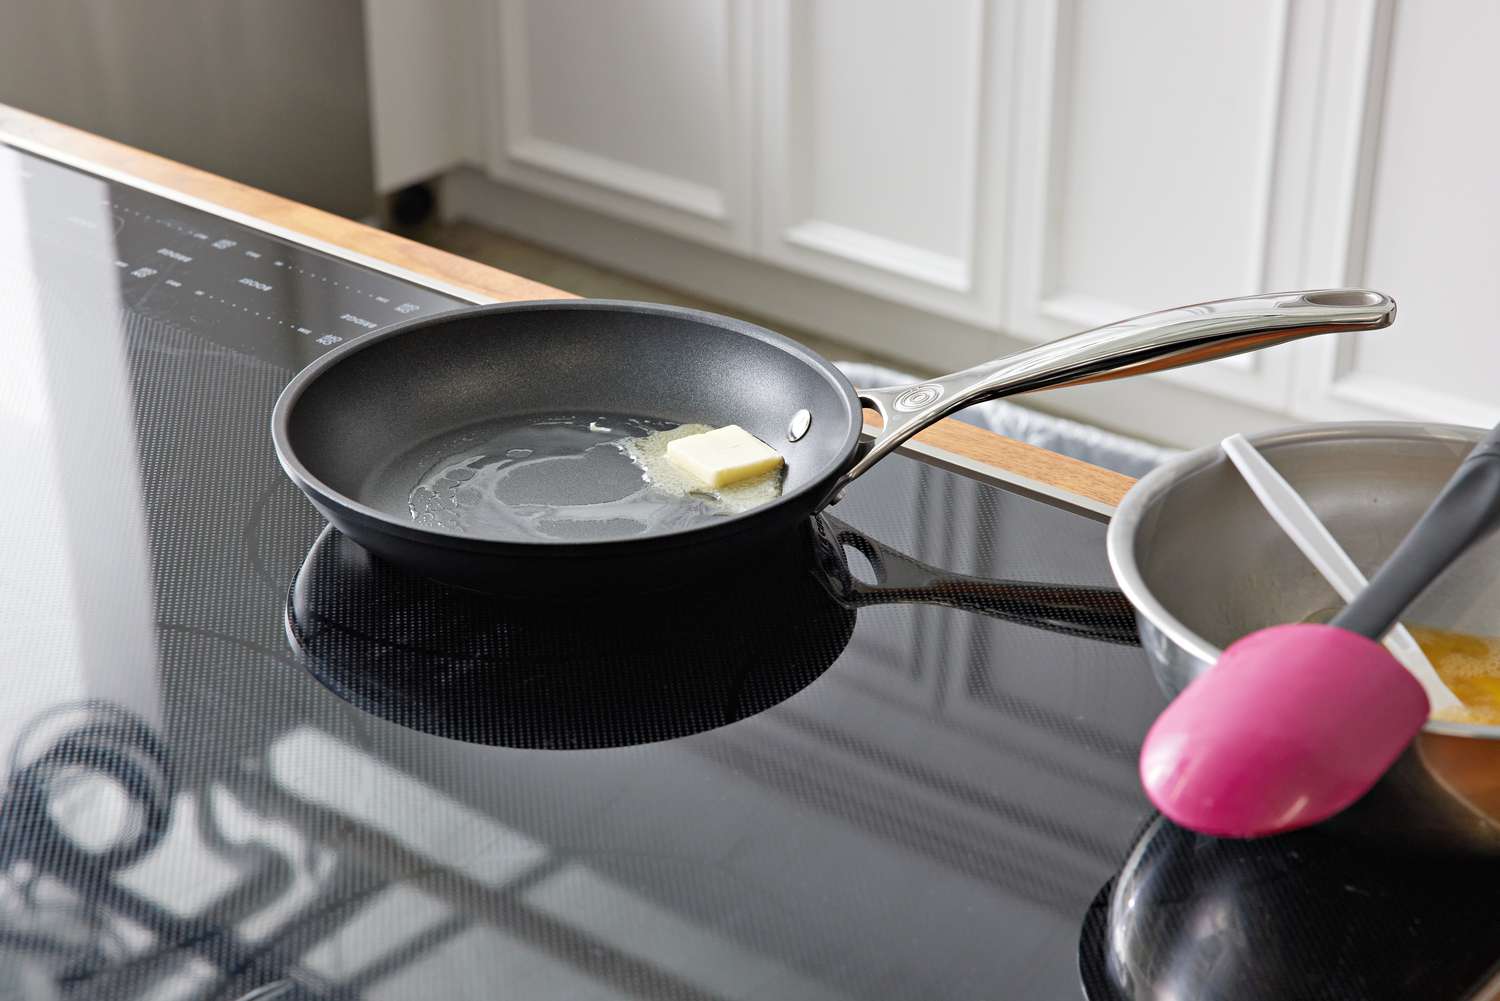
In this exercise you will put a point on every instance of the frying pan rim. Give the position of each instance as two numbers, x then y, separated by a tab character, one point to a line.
312	485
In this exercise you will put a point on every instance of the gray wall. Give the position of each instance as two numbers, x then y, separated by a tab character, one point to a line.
269	92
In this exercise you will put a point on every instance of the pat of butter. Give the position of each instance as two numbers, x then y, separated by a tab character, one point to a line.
723	456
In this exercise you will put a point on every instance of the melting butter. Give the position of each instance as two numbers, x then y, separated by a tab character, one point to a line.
571	478
650	453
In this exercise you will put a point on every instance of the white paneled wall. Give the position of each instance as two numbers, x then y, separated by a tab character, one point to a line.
638	109
1149	158
1427	219
1015	170
1162	139
874	170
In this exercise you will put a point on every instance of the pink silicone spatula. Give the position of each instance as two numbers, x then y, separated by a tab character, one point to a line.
1296	722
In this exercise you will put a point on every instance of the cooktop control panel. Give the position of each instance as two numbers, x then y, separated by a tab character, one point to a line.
255	292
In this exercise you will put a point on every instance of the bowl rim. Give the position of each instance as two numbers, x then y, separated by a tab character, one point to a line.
1150	489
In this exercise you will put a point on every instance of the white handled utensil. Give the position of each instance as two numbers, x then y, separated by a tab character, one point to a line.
1294	516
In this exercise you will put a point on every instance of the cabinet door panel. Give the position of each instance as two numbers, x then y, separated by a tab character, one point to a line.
1148	149
640	110
1426	223
883	127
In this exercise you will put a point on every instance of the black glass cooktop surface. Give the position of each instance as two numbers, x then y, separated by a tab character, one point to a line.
244	753
895	760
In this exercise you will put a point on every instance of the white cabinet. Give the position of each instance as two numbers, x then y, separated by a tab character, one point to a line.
1147	150
639	109
1424	222
1005	171
880	164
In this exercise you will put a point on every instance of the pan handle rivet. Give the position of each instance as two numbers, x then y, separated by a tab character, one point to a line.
801	421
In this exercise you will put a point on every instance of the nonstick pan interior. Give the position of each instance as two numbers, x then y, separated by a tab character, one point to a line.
367	423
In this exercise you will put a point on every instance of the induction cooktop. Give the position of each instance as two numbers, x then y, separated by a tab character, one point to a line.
245	756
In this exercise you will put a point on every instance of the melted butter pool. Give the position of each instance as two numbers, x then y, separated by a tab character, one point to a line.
650	453
574	478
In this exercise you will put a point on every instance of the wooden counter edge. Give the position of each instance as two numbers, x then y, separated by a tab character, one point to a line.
1061	472
1058	471
274	209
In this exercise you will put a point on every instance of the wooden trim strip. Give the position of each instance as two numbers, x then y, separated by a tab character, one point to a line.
1063	473
1103	486
274	209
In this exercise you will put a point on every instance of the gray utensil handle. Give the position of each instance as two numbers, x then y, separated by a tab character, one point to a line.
1467	509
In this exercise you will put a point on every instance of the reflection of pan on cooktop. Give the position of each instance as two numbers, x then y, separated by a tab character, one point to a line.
612	670
1295	917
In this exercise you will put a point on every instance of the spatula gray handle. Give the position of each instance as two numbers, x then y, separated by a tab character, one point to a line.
1467	508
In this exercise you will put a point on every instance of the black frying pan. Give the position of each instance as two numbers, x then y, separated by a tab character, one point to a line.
362	426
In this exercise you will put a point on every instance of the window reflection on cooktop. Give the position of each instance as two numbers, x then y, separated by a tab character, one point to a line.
629	668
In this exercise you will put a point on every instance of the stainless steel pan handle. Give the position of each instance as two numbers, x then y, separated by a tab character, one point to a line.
1149	343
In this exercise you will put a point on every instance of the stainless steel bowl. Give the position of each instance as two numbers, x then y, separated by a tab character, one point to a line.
1203	564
